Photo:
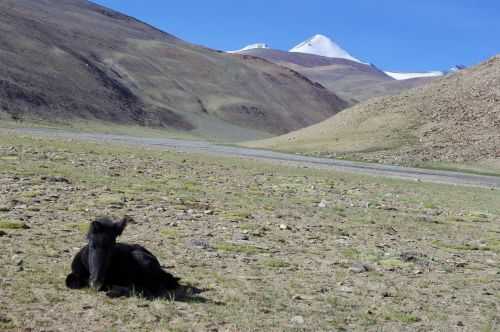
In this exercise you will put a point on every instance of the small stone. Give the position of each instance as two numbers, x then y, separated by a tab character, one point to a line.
199	244
284	227
359	268
346	289
411	256
323	204
297	320
386	294
2	233
59	179
208	212
241	237
460	323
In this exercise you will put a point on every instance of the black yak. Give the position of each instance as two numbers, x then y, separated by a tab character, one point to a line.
118	268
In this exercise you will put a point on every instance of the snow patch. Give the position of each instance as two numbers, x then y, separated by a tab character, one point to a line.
407	76
251	47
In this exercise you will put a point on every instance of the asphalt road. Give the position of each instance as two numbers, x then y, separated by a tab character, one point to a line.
414	174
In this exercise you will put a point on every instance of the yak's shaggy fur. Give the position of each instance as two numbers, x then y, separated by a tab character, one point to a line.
118	268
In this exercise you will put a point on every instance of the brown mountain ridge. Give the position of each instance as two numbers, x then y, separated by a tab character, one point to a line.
352	81
62	60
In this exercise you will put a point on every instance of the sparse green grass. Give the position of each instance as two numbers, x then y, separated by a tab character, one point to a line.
169	233
98	127
479	168
9	224
258	284
239	248
402	317
237	215
393	263
82	227
275	263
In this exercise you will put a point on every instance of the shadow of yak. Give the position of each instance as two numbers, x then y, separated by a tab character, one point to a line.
120	269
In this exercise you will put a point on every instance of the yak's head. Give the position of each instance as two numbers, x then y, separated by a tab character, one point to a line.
102	240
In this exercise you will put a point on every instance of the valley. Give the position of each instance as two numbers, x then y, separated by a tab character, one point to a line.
296	188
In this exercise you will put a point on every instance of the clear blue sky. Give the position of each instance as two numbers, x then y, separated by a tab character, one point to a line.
393	34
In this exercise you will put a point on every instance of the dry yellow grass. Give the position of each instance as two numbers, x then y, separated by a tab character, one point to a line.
455	119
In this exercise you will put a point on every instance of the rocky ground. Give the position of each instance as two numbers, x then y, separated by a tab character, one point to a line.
276	248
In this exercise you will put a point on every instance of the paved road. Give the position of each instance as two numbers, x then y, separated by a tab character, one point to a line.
444	177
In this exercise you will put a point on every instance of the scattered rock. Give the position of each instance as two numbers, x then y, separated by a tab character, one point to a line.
323	204
2	233
199	244
4	208
284	227
346	289
5	319
427	219
240	237
411	256
57	179
297	320
359	268
387	294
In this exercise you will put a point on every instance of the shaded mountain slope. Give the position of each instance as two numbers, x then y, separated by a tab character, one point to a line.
72	59
455	118
350	80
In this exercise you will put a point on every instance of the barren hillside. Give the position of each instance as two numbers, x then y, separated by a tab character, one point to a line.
455	118
72	59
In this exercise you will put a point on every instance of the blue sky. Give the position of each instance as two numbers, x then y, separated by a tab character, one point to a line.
393	34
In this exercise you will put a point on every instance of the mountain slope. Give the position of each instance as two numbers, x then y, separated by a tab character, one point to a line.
352	81
323	46
455	118
72	59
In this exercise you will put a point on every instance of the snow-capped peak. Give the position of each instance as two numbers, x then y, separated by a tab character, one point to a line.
251	47
324	46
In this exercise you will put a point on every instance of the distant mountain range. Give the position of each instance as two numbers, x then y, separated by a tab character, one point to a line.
324	46
322	60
